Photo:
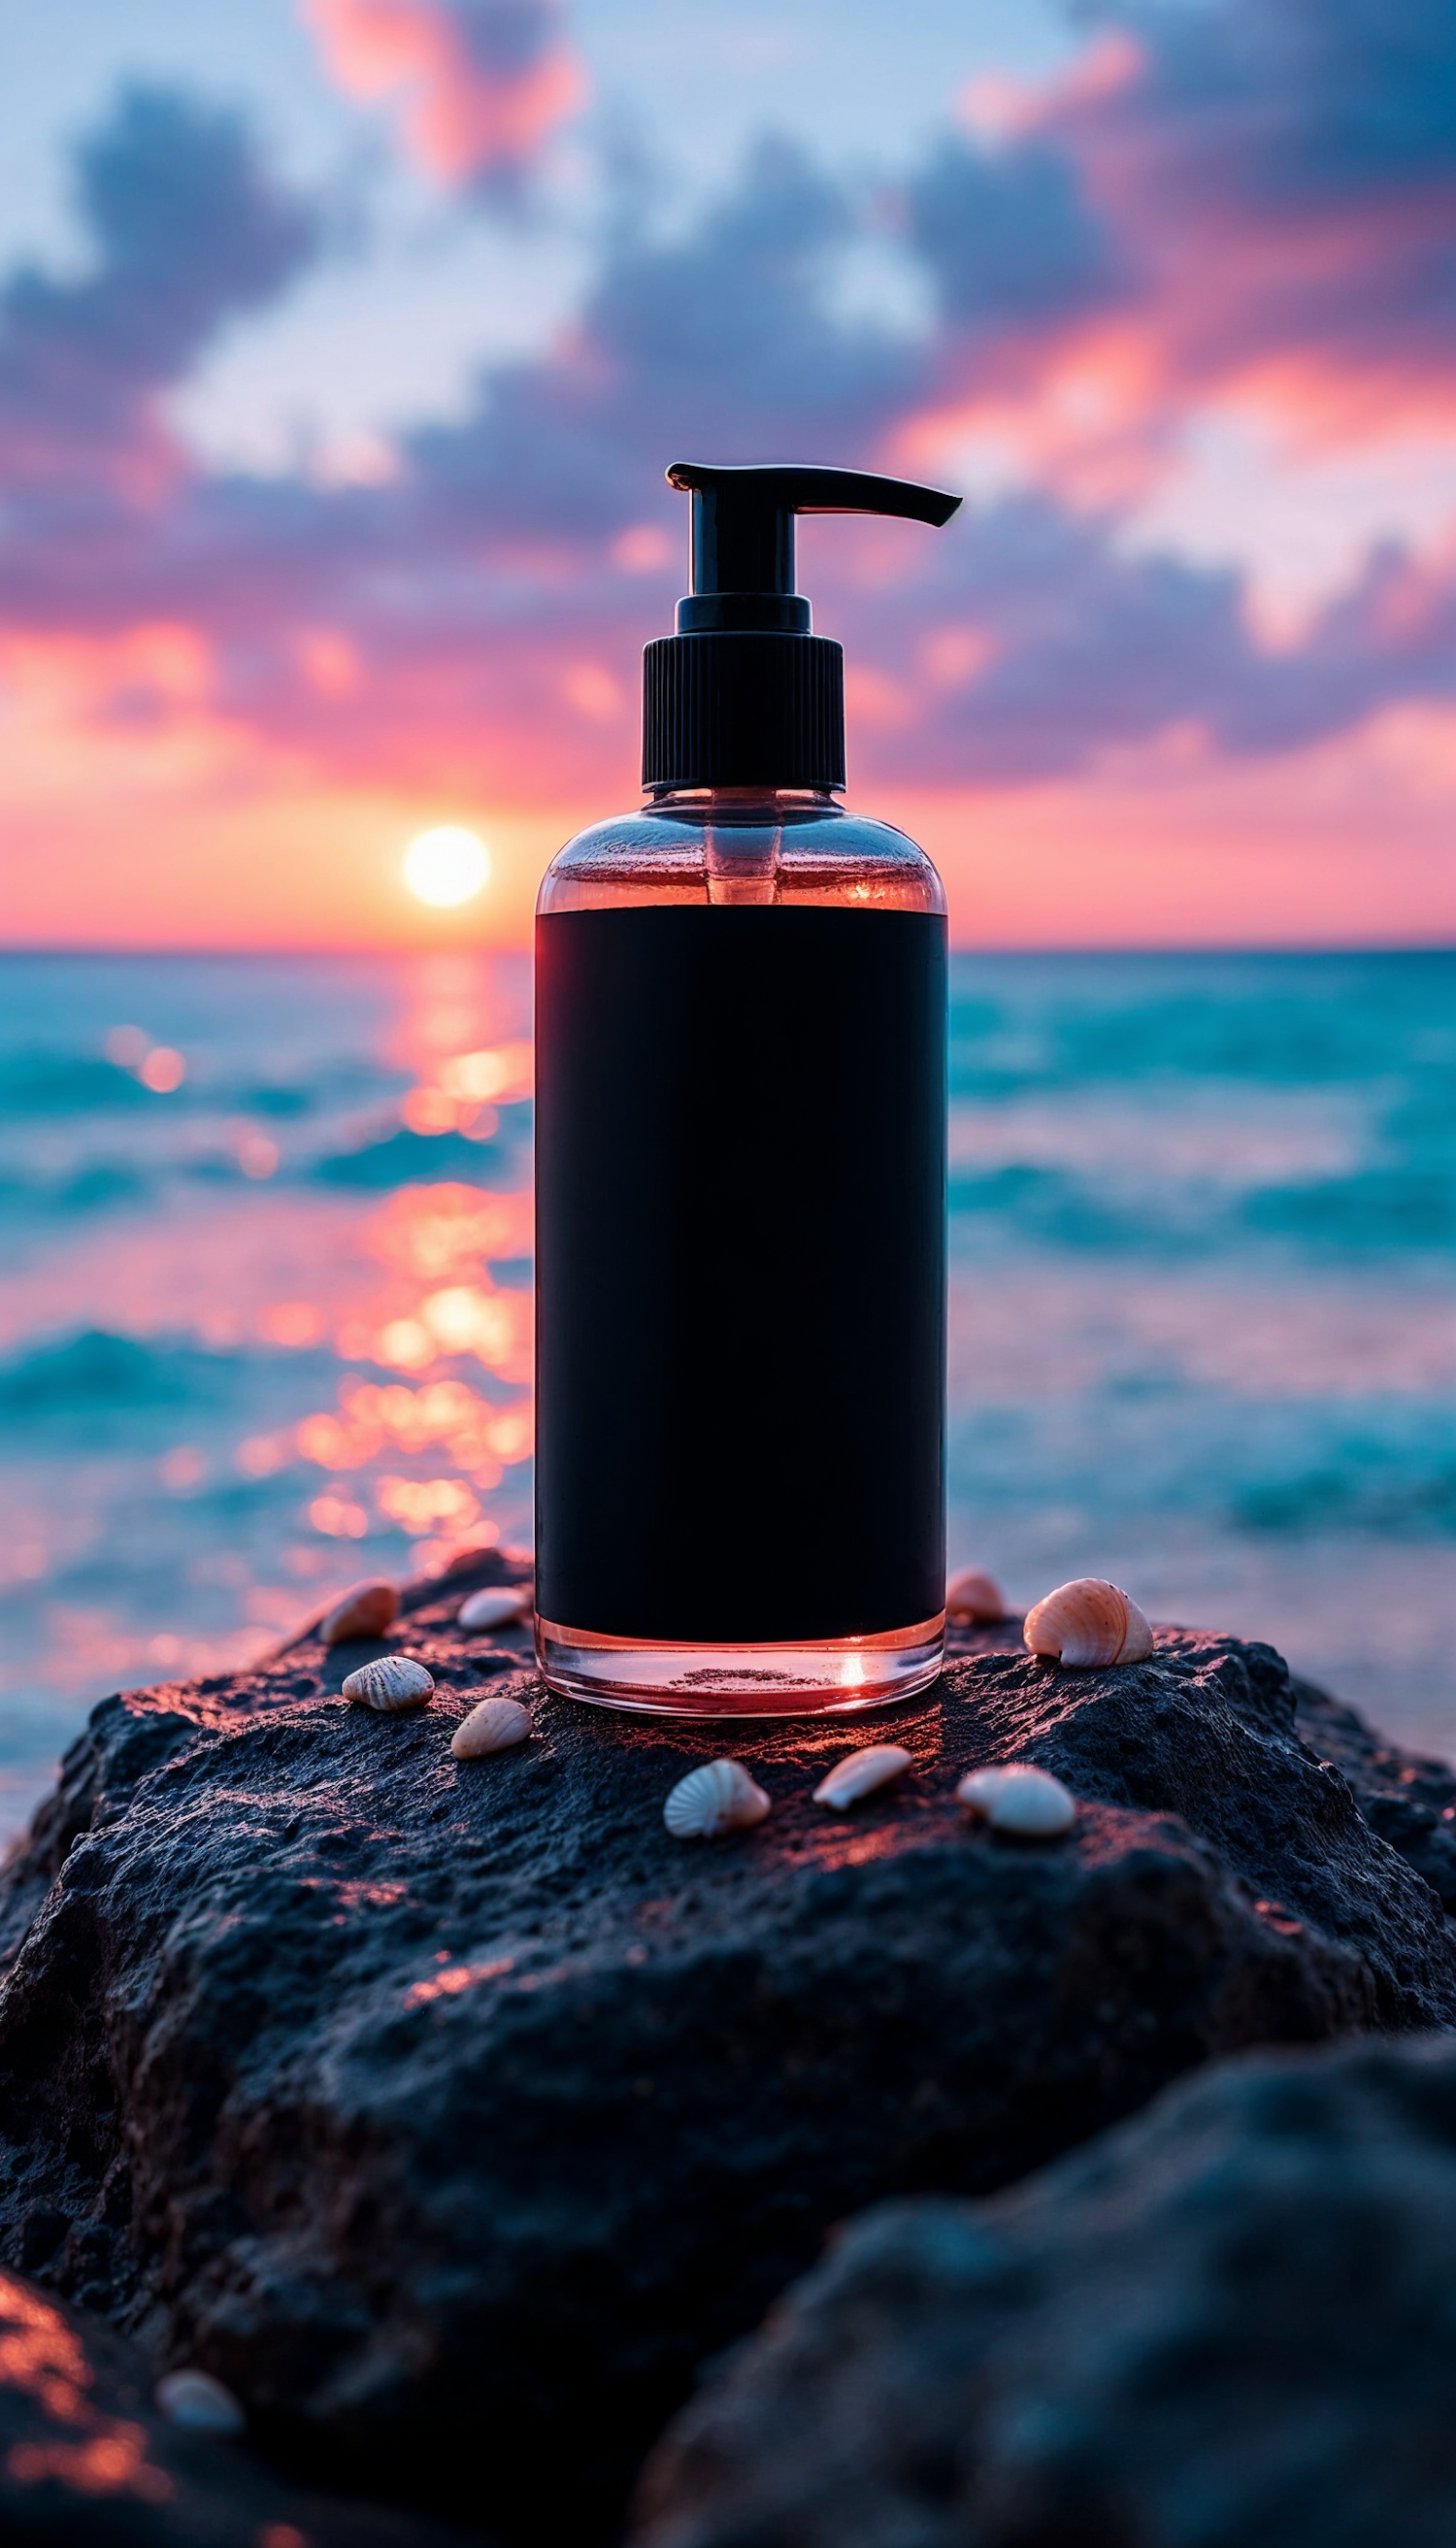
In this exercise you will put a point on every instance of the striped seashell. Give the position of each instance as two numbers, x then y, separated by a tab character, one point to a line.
861	1772
1088	1622
499	1605
970	1594
394	1682
365	1611
496	1725
718	1797
1021	1799
199	2402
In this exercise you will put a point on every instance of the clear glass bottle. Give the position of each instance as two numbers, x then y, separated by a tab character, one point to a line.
776	853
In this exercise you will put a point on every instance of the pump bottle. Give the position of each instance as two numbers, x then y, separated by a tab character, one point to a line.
740	1176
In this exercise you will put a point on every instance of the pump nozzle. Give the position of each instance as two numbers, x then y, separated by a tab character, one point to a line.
744	694
743	533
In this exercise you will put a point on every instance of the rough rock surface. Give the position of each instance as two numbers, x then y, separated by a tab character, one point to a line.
1409	1799
87	2462
1228	2324
453	2113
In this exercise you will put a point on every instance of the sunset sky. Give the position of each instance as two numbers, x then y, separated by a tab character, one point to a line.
343	342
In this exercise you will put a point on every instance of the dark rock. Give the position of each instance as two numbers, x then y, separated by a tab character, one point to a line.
421	2100
92	1768
1411	1801
1228	2324
87	2462
42	2230
136	1740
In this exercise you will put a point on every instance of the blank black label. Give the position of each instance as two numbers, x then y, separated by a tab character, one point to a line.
741	1271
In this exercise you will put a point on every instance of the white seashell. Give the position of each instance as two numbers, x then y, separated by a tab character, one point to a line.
861	1772
365	1611
499	1606
970	1594
394	1682
1088	1622
493	1726
718	1797
1020	1798
196	2399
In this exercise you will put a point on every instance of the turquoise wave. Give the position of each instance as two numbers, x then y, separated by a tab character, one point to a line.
1204	1232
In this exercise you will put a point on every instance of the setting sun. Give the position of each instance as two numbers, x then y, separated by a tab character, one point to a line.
446	866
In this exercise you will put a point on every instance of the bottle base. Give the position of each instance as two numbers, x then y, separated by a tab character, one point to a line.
829	1676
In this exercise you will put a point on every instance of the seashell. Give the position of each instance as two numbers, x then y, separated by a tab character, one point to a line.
718	1797
499	1606
859	1773
196	2399
394	1682
1088	1622
366	1611
1020	1798
493	1726
970	1594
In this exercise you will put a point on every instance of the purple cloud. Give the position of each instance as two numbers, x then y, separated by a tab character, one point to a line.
1285	173
189	230
479	617
1298	103
1010	237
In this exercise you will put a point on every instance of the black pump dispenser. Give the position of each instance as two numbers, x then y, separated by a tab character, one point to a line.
745	695
741	1254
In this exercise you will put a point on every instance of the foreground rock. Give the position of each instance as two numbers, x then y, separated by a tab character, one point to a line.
1409	1799
452	2113
87	2462
1227	2325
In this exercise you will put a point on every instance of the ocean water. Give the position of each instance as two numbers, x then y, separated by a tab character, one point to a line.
265	1306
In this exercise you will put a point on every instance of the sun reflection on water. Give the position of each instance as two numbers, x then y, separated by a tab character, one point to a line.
312	1347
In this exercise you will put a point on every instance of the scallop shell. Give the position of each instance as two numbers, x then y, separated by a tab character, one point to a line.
972	1594
195	2400
364	1611
499	1606
494	1726
1020	1798
718	1797
861	1772
1088	1622
394	1682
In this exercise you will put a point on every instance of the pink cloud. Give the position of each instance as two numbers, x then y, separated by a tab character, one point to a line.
479	615
188	231
1273	187
480	84
460	640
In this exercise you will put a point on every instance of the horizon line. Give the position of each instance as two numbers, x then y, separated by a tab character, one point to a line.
522	946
